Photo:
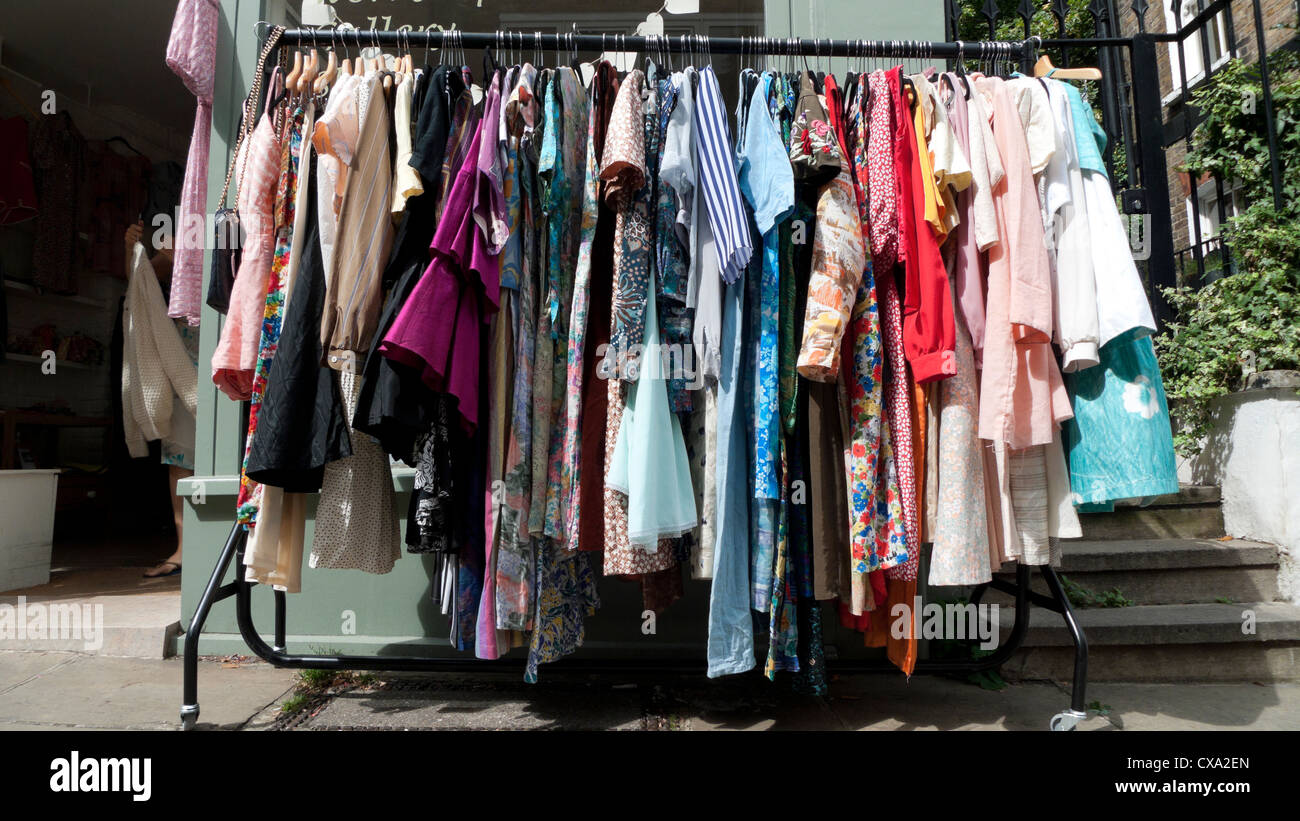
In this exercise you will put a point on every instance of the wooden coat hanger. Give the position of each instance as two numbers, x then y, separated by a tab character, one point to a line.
1044	68
326	78
307	80
291	80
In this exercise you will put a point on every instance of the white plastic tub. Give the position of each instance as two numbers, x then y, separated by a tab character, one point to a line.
26	526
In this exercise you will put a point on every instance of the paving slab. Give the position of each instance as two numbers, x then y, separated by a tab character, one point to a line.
740	705
482	706
888	702
90	692
17	668
133	616
1201	706
64	691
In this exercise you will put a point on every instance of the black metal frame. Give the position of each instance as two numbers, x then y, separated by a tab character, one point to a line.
233	551
278	655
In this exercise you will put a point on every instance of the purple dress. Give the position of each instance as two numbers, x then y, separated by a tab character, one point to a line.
438	330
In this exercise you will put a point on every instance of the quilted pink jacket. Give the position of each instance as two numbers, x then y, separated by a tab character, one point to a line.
192	55
1022	395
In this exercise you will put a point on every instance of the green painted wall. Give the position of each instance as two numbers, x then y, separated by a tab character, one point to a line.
391	613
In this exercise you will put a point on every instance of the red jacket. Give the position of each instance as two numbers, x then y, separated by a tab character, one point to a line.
929	330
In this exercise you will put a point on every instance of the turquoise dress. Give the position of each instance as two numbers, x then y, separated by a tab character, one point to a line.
650	463
1119	443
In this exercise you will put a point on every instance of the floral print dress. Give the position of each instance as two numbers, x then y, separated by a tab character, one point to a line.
250	492
566	580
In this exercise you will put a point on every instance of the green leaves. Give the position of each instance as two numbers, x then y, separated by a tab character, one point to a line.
1249	320
1232	139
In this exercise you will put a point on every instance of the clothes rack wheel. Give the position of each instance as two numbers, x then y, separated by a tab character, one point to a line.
1066	721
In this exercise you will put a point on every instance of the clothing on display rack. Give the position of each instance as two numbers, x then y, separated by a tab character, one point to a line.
192	55
619	331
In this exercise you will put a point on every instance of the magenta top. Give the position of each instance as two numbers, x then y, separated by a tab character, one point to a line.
438	330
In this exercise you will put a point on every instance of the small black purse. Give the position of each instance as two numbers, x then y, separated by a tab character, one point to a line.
227	239
225	259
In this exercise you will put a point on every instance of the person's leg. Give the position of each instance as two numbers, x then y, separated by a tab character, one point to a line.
173	562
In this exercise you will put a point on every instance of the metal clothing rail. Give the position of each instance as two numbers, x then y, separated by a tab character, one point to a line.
653	44
232	553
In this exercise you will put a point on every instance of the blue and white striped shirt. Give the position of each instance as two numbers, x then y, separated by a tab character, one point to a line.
718	180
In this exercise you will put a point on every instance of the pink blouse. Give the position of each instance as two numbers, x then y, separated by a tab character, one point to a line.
1022	396
236	353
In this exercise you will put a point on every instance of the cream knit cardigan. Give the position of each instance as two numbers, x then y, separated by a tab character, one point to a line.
155	366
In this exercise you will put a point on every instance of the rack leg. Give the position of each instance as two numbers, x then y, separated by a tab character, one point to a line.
279	622
211	595
1078	695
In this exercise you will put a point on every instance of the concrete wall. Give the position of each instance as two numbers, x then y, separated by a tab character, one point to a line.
1253	454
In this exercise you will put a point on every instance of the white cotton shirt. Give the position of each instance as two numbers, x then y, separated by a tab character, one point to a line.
1076	329
1030	98
406	180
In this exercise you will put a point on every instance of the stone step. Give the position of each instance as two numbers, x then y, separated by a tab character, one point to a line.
1159	624
1203	642
1186	495
1179	521
1167	571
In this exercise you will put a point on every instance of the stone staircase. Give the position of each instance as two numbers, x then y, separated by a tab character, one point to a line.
1201	608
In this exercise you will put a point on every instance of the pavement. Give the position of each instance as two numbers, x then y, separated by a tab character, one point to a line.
53	690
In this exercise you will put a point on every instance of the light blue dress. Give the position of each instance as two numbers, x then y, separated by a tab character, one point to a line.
650	463
767	183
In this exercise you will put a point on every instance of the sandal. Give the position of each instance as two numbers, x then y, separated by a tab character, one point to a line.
175	568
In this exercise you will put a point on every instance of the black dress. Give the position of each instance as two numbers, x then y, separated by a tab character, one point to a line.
301	426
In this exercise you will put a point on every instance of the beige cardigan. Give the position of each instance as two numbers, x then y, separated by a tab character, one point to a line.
155	366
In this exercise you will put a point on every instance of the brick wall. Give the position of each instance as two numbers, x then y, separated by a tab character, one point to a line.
1280	20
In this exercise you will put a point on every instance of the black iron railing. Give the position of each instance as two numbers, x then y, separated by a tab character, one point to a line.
1142	121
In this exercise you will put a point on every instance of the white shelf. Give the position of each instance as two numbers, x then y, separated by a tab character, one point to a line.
59	363
30	290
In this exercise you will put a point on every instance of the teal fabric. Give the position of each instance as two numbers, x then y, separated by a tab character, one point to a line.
1119	443
1088	134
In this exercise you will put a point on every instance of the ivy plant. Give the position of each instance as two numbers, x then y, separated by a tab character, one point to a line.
1249	320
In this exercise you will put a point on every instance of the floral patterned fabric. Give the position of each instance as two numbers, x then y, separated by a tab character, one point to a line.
566	595
671	270
623	168
250	492
877	539
838	260
515	554
568	499
564	174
